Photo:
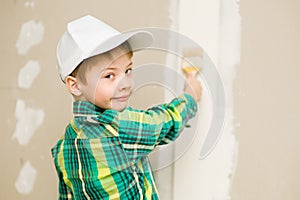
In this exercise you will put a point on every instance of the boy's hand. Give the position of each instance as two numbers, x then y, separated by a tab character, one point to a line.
192	86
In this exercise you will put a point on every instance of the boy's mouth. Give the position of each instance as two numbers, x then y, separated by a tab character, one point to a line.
122	98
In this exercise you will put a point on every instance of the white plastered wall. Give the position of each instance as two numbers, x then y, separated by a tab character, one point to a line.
215	26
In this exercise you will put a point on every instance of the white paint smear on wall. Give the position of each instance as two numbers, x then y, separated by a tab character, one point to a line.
31	34
218	31
28	120
28	73
26	179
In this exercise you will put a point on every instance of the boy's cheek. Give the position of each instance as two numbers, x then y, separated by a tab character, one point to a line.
103	85
132	84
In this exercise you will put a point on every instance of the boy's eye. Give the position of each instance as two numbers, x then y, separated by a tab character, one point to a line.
109	76
128	71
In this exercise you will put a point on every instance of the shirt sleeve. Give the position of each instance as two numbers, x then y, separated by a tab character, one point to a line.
140	131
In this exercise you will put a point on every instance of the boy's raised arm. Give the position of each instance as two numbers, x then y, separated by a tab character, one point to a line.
141	131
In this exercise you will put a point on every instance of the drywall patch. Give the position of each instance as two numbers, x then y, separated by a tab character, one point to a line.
28	120
28	73
26	179
31	34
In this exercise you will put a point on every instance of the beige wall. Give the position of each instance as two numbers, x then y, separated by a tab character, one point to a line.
267	100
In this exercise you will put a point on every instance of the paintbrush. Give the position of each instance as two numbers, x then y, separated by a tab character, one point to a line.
192	61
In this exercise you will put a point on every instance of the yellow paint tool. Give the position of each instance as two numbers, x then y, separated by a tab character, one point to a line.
192	61
191	70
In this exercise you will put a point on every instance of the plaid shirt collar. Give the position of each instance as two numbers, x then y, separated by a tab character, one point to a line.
90	111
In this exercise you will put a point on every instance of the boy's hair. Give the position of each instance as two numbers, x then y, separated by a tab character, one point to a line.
80	71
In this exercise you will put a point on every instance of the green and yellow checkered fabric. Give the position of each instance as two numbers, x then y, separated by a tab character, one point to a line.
103	153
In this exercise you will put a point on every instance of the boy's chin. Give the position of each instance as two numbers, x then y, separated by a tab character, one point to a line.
119	106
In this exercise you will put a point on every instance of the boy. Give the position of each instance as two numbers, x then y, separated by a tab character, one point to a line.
103	153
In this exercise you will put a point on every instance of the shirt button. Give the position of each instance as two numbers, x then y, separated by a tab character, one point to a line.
132	165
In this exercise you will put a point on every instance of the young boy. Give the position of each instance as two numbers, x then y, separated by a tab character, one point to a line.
103	153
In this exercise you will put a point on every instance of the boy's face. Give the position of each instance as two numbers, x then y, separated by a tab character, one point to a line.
109	84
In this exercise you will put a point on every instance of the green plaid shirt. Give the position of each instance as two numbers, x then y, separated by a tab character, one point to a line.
103	153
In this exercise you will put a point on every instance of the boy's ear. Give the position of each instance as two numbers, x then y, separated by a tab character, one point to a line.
72	86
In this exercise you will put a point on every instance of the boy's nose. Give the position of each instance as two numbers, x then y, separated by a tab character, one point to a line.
125	83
